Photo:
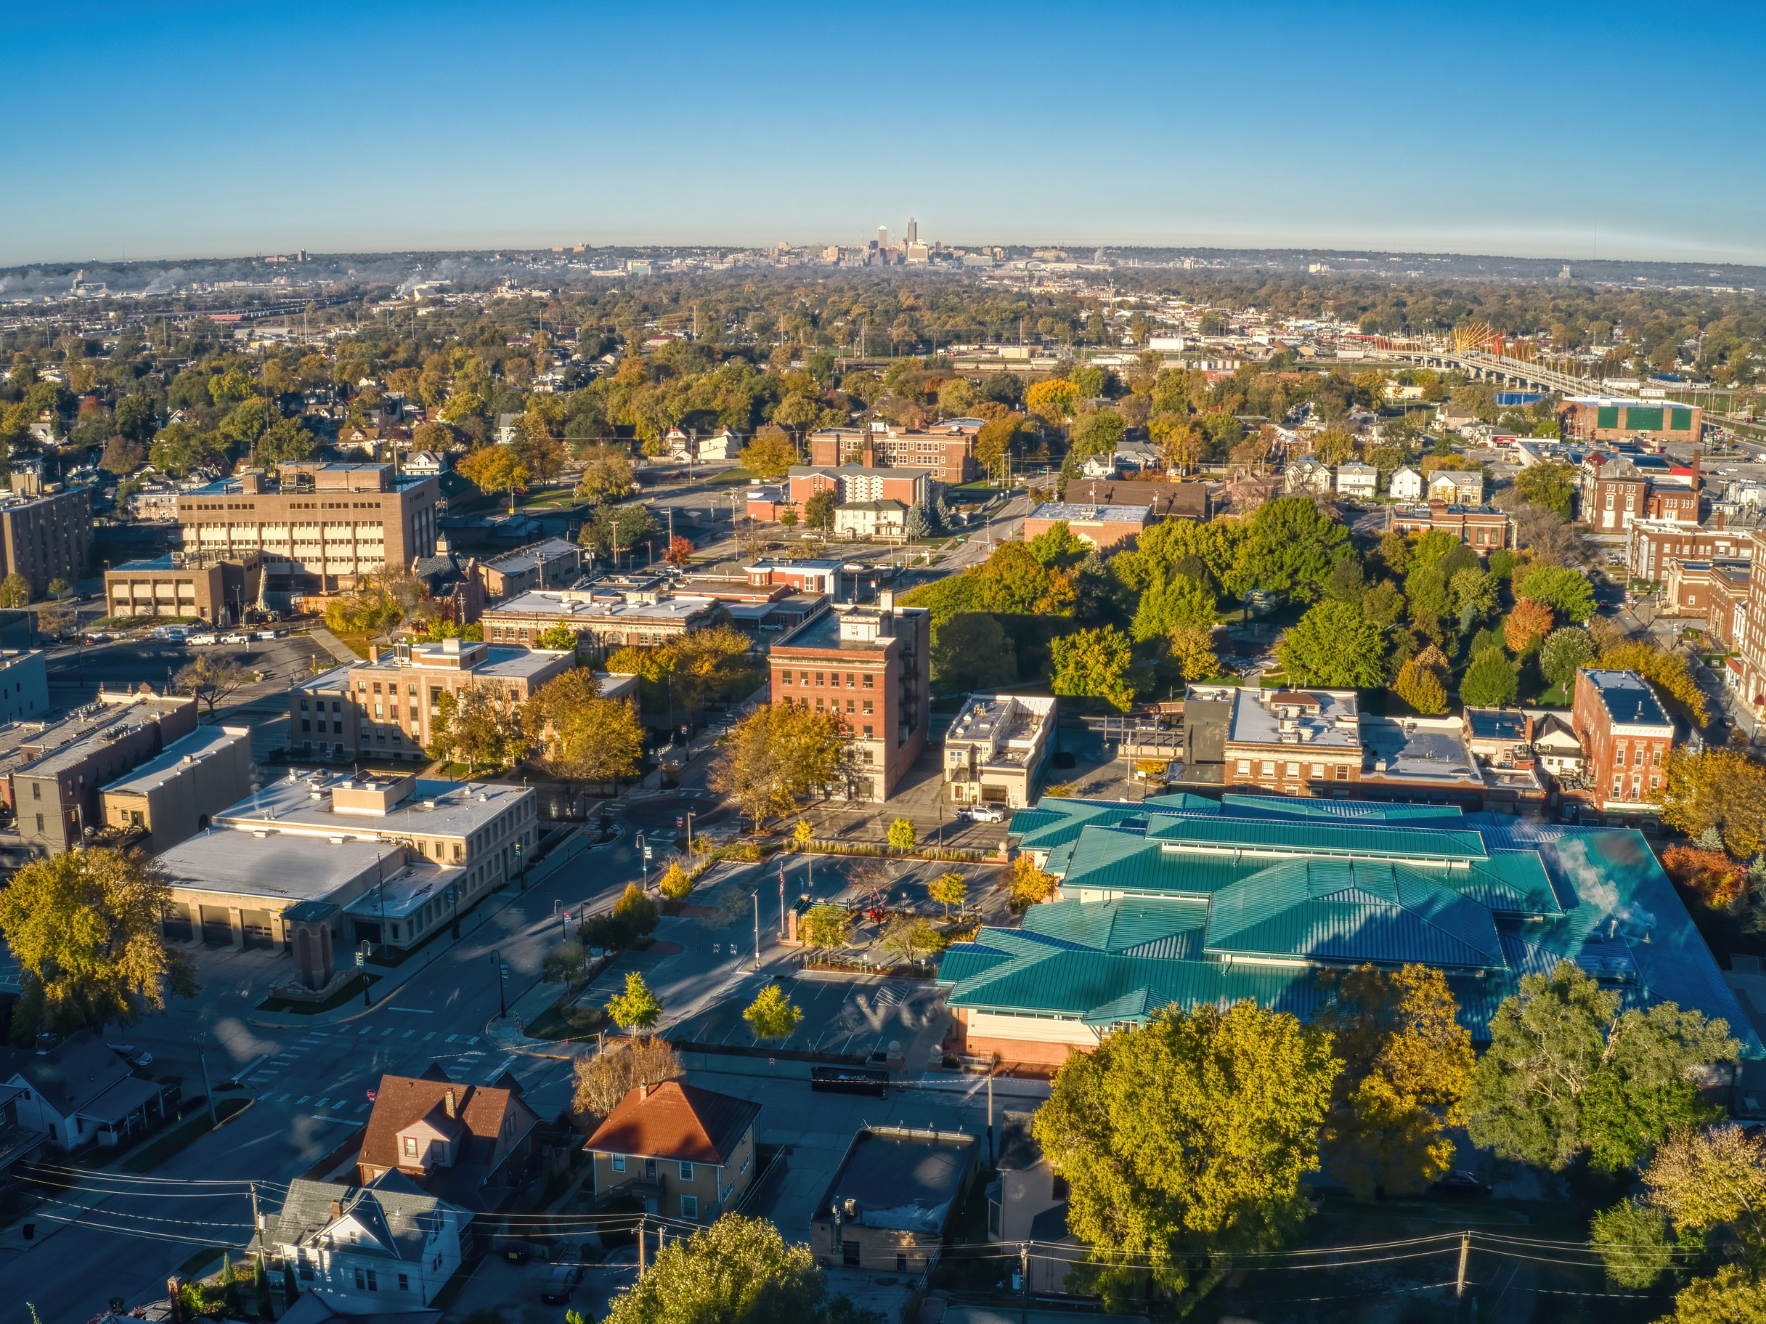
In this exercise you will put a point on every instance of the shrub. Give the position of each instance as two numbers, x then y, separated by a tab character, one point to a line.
1710	875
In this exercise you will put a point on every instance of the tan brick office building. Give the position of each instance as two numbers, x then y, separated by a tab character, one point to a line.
321	528
180	585
45	538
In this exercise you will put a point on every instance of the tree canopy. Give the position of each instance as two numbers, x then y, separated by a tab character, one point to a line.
1333	645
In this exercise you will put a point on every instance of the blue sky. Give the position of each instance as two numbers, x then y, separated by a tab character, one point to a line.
188	130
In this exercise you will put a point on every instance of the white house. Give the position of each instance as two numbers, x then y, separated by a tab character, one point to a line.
721	445
1306	477
1358	480
1558	746
1457	487
425	464
81	1091
1102	465
377	1249
1406	485
870	519
508	429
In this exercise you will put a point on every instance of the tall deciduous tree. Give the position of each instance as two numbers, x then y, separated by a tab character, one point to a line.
737	1271
637	1008
1526	625
496	469
770	454
778	756
1562	588
1716	789
771	1015
1567	1073
1563	652
1332	645
1406	1064
212	678
582	735
1093	663
606	1077
1490	681
1164	1162
85	928
478	726
1290	549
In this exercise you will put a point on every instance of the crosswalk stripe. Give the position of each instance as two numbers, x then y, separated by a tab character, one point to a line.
407	1034
429	1036
450	1039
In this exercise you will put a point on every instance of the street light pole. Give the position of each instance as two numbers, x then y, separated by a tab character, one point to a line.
201	1057
502	1007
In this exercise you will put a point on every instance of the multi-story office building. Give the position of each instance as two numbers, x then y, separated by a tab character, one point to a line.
46	538
854	483
945	450
1651	545
996	750
174	796
1617	490
398	857
385	708
870	665
1626	737
320	528
53	773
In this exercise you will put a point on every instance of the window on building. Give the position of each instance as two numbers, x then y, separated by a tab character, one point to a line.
1244	768
868	703
1268	767
404	1282
689	1206
1293	769
686	1172
410	1146
618	1161
1318	769
784	678
819	678
867	682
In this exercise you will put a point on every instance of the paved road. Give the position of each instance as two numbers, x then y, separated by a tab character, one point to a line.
309	1086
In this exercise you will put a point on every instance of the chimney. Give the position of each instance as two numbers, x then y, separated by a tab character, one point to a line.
886	599
374	652
449	1106
337	1208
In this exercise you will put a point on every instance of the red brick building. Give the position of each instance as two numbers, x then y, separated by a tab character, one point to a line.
855	482
1727	618
1616	418
871	665
946	450
1654	544
1616	491
1479	527
1626	736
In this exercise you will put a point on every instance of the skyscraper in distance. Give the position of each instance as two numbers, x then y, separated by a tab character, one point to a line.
913	231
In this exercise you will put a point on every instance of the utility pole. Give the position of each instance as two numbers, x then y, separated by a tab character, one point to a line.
1465	1246
757	928
640	1247
990	1158
203	1058
1024	1279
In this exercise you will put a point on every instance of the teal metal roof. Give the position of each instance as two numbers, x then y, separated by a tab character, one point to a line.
1388	842
1341	910
1054	821
1234	804
1118	861
1510	883
1109	927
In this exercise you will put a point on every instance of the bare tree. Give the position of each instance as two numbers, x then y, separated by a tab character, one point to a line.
606	1077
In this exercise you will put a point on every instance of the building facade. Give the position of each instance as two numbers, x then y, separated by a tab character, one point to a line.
686	1152
946	451
1626	737
174	796
321	528
869	665
1650	545
184	585
1617	418
997	750
552	564
1106	528
46	538
387	707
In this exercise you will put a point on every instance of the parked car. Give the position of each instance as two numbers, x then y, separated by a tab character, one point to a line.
982	814
1460	1182
563	1280
236	637
203	639
135	1057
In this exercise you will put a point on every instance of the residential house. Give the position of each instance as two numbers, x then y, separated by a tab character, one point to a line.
80	1092
1558	747
1306	476
895	1195
1406	485
1028	1202
1457	487
1102	465
871	519
476	1146
377	1249
686	1152
1357	481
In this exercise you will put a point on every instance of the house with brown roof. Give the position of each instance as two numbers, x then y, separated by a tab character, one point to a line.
473	1145
686	1152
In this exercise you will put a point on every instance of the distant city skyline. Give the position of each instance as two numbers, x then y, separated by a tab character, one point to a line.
183	131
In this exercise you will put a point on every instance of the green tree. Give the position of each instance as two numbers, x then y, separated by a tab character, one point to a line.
1406	1064
911	938
1490	680
84	927
1564	589
737	1271
770	454
674	883
972	651
1632	1237
1551	485
771	1015
1421	682
948	889
637	1008
1164	1162
1166	606
1564	652
1567	1073
1332	645
1096	432
1093	663
1733	1295
1290	548
818	511
902	837
778	756
827	926
15	590
560	637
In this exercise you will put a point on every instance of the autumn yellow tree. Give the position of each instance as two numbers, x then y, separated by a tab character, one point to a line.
496	469
1030	885
1192	652
770	454
1716	788
581	735
1666	671
1054	399
1407	1062
1421	681
780	755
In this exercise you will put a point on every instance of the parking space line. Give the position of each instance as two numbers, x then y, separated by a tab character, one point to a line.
429	1036
303	1098
282	1098
407	1034
388	1031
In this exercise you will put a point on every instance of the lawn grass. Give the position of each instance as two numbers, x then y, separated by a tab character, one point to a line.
574	1022
186	1133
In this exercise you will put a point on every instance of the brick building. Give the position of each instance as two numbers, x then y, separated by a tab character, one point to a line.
602	621
871	665
1726	621
1164	499
852	483
384	708
321	528
553	563
45	538
1614	491
1479	527
1691	587
1651	545
1107	528
1616	418
1626	736
180	585
945	450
